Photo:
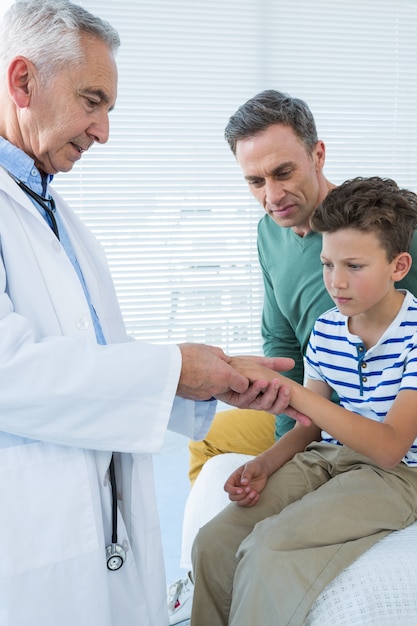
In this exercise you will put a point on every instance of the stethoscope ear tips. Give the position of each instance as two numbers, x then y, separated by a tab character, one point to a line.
116	556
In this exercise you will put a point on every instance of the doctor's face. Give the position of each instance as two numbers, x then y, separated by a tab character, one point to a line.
65	117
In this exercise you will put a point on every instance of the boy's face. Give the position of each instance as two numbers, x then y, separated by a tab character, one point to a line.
356	271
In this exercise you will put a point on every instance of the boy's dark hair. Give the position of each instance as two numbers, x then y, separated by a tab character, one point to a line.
272	107
370	205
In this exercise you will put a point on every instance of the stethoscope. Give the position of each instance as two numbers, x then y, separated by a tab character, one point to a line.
115	553
48	204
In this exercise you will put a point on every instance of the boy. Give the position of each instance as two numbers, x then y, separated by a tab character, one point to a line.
346	475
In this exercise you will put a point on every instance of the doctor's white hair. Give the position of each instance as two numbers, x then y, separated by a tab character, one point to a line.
47	32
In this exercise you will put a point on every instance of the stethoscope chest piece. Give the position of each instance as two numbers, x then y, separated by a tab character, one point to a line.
116	556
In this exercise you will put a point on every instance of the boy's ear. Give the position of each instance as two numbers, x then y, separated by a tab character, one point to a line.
19	77
402	264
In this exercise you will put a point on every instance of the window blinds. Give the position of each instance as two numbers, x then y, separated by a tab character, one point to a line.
166	197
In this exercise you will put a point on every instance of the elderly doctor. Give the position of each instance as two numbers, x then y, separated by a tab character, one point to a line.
81	407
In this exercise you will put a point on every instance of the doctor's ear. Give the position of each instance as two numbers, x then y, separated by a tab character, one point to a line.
19	77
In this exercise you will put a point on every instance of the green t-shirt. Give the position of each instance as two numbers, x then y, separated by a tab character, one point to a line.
295	295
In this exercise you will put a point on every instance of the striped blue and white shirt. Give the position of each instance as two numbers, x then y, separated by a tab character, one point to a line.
366	381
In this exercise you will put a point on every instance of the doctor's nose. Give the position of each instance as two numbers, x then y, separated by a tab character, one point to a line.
99	129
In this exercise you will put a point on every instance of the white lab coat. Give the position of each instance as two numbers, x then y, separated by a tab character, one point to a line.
65	404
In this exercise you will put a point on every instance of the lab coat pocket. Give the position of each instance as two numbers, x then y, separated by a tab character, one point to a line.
47	511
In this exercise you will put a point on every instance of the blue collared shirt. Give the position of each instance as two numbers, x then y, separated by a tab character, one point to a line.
22	167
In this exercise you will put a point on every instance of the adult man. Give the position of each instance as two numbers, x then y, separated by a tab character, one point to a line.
81	536
274	139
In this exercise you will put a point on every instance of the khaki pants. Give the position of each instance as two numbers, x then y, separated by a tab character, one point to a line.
236	430
267	564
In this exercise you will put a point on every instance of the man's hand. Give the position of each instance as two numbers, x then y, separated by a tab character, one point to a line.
245	382
206	372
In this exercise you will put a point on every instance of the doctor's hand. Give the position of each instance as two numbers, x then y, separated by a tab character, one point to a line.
207	371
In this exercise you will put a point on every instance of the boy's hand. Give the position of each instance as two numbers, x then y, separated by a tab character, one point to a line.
276	397
272	397
207	371
267	391
245	484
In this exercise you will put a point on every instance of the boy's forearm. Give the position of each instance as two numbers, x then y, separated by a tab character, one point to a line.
318	408
346	426
294	441
377	440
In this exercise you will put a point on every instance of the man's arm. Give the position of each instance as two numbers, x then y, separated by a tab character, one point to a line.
279	338
294	296
294	292
278	335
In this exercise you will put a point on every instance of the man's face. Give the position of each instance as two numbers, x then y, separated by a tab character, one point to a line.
68	115
282	176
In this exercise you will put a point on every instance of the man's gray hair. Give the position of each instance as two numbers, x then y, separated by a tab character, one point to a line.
47	32
272	107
